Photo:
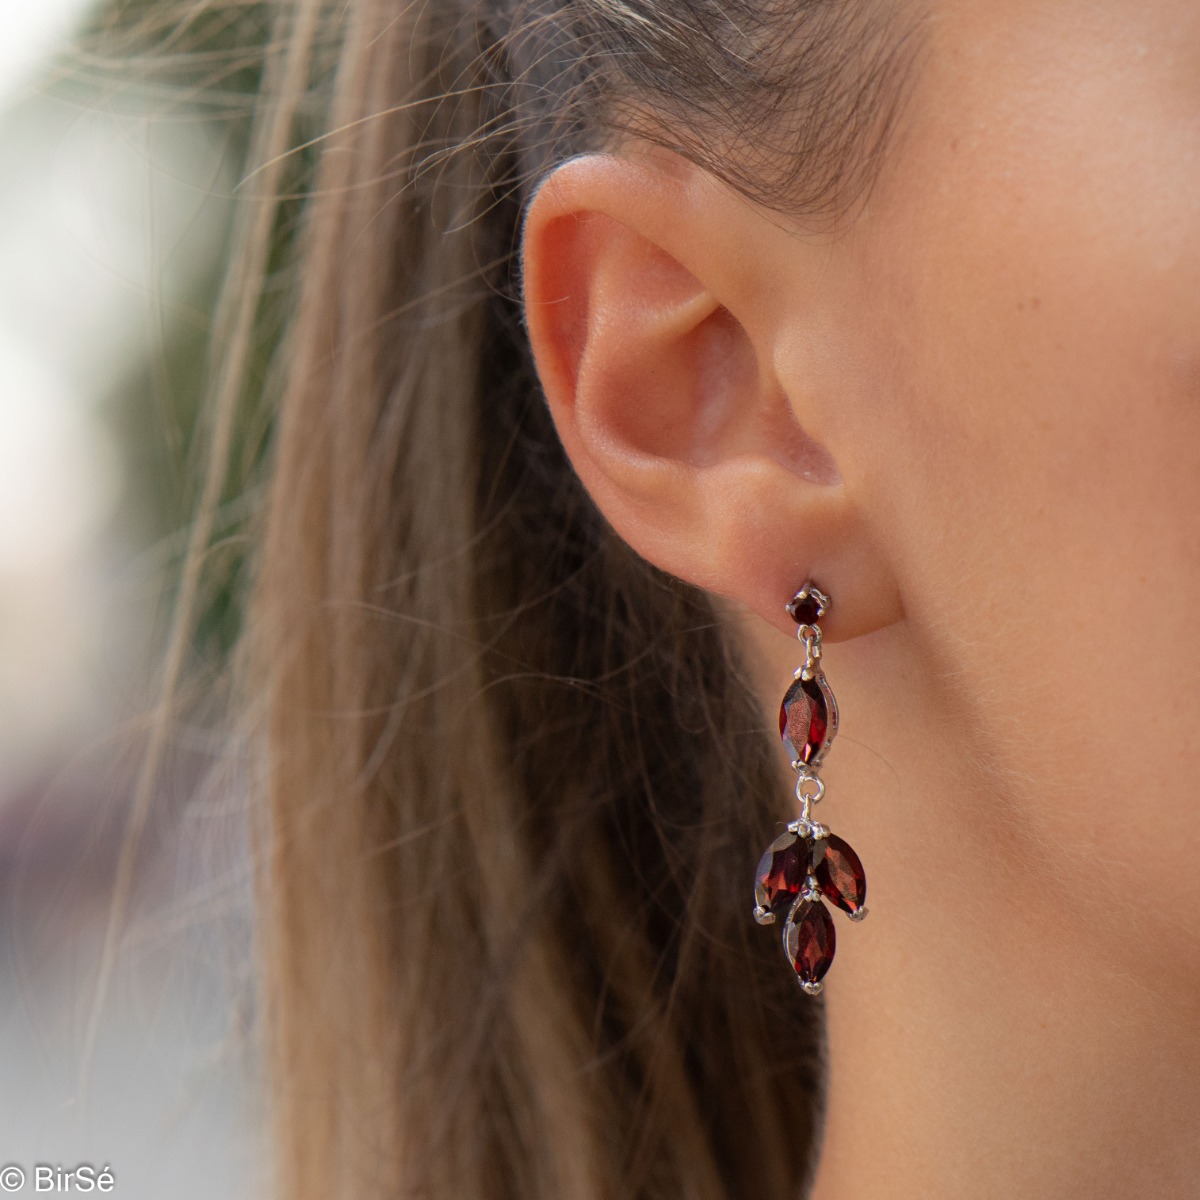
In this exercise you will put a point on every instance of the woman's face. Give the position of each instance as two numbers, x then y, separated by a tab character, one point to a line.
1026	372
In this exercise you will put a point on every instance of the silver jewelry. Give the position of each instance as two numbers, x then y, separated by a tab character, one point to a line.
807	864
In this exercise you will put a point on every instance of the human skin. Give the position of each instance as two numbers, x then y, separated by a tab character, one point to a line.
972	414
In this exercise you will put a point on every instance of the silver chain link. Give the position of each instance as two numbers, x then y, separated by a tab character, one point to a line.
810	638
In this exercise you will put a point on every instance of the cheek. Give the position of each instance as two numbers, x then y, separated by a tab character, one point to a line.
1040	461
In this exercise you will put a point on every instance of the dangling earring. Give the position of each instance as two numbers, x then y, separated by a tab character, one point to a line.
807	865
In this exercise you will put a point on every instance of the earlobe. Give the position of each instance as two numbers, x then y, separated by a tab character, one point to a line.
654	307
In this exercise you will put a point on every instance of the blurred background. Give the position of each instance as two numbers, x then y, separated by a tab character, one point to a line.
118	172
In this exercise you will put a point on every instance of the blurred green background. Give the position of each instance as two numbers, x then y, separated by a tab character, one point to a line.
123	140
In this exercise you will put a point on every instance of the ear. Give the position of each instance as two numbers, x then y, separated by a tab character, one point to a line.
658	303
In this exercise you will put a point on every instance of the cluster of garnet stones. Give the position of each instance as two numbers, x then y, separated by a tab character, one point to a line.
808	865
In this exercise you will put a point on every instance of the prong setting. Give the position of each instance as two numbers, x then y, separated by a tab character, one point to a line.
802	827
812	599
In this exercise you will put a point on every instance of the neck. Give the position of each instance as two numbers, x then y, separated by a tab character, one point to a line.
1003	1022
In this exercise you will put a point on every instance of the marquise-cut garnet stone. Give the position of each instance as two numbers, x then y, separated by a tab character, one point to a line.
782	870
839	873
804	720
809	940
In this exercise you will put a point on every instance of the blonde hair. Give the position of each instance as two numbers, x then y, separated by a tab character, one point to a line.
515	778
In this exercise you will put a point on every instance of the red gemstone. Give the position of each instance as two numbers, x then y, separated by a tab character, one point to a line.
782	870
809	940
839	873
804	720
806	611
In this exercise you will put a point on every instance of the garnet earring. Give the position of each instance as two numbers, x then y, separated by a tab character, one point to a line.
807	865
